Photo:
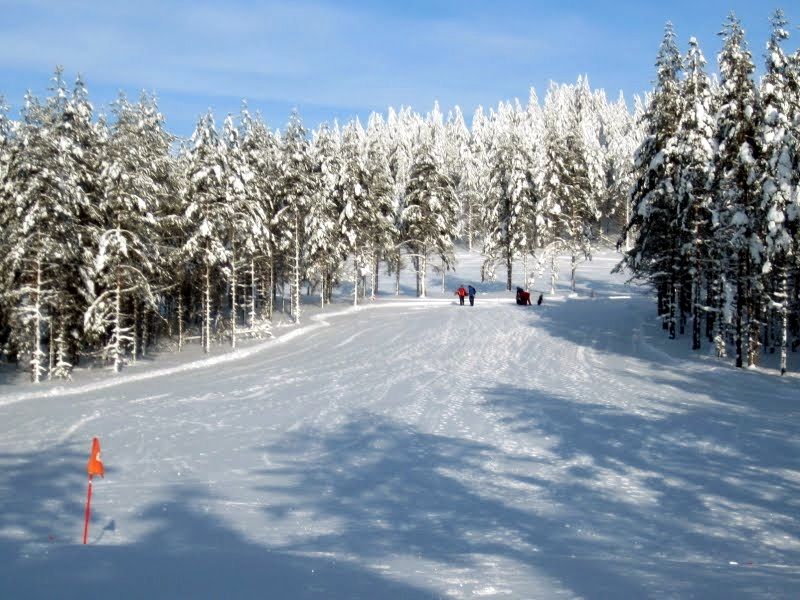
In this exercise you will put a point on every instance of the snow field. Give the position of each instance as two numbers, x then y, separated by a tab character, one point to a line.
415	449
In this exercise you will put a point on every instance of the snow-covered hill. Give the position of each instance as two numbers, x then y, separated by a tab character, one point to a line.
415	449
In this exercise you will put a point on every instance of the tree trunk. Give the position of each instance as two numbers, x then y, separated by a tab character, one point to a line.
509	269
423	275
397	274
207	309
415	263
469	226
117	333
36	349
754	327
63	367
135	333
180	319
673	294
783	296
272	289
375	268
51	347
145	328
695	313
740	308
356	278
253	293
234	283
296	290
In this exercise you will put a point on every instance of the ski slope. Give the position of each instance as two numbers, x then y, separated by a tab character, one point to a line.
414	449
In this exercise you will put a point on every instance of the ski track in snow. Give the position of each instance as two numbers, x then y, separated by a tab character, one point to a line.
416	449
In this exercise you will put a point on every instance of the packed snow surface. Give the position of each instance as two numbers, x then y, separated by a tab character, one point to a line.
414	449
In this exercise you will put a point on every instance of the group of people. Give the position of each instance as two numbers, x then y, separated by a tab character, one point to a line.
523	297
462	292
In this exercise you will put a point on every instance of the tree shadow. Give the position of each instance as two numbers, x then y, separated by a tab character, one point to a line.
186	552
705	498
394	491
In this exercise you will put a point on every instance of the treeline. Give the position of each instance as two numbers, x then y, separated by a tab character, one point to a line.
117	236
715	201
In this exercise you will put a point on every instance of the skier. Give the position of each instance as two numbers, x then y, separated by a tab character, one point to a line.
539	301
461	292
471	290
523	297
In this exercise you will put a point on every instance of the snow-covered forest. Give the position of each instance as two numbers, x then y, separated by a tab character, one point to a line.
118	238
715	203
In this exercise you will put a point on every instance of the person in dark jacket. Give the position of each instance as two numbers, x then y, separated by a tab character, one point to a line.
461	292
471	291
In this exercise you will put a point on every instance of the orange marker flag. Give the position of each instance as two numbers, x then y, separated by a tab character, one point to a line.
95	465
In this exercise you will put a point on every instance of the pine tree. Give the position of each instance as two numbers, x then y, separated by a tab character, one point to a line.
133	183
380	229
736	185
653	256
207	213
570	197
352	202
295	182
510	208
693	150
778	163
260	150
49	178
429	215
324	245
247	224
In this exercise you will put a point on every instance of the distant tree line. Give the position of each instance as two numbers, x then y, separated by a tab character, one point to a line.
118	237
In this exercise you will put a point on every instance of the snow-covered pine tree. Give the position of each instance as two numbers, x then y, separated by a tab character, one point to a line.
295	170
134	182
247	221
430	213
380	229
400	147
738	241
80	140
510	210
778	197
5	156
621	135
459	169
653	255
569	188
207	213
45	203
483	132
260	150
324	248
693	149
352	202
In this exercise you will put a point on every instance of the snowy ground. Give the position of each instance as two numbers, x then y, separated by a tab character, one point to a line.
414	449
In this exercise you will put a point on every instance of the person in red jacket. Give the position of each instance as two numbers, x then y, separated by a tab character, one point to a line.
461	293
523	297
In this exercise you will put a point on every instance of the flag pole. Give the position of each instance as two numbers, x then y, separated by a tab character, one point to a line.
88	510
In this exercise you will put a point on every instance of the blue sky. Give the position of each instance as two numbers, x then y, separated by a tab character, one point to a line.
338	59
